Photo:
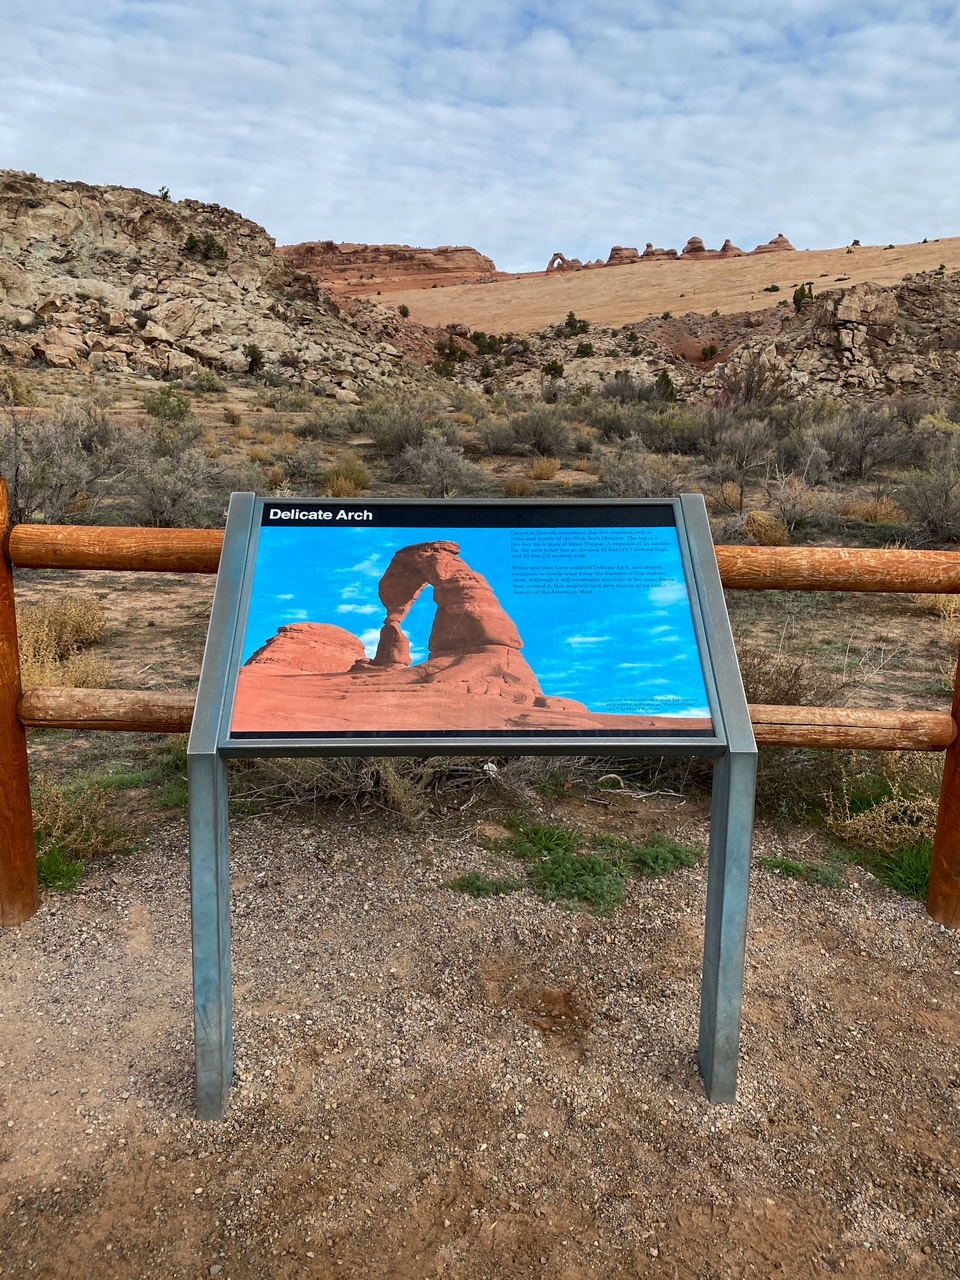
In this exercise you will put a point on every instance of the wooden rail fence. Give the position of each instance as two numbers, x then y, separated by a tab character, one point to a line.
198	551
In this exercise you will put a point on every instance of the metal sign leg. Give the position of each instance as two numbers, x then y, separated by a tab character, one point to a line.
210	902
731	833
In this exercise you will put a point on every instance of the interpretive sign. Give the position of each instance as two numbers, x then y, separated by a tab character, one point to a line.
397	626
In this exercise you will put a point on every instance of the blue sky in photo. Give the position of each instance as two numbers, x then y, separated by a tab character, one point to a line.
516	128
617	649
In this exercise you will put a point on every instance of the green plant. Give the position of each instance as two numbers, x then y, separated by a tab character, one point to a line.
205	246
802	295
584	349
56	870
440	468
254	357
771	288
809	872
552	369
657	855
13	390
663	386
478	885
667	315
349	468
709	351
403	310
168	405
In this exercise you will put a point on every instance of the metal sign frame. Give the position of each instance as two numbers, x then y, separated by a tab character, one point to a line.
731	745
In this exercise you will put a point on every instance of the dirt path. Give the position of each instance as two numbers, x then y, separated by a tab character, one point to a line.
432	1086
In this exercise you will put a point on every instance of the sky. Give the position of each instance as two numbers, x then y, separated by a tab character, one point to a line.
517	127
593	633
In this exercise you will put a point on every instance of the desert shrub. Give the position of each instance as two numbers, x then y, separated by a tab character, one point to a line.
497	436
205	246
72	825
633	472
403	310
766	530
13	390
786	677
857	442
519	487
584	349
544	468
52	637
58	466
542	430
168	404
288	399
440	468
793	501
737	451
351	469
206	382
254	357
396	423
931	498
879	510
754	378
168	488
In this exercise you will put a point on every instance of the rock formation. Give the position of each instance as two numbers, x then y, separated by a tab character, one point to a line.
868	340
474	679
620	257
115	279
777	245
651	252
729	250
337	265
694	248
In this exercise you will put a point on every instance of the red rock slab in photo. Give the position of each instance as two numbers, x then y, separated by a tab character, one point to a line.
311	646
494	689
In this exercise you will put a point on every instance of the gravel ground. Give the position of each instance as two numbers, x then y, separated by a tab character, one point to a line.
433	1086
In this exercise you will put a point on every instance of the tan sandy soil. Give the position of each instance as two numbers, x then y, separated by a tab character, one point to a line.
431	1086
622	295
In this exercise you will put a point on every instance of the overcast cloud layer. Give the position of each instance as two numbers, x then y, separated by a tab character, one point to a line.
519	128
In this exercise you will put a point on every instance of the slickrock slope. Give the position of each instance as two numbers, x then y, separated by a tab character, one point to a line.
339	266
115	279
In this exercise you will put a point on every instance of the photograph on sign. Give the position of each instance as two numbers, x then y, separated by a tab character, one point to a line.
383	619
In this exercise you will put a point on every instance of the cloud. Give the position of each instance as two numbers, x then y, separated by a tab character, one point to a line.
668	593
577	641
370	639
517	128
358	608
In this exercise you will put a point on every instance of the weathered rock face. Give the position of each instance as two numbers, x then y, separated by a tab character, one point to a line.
729	250
469	617
651	252
694	248
866	340
620	256
311	646
112	278
778	244
339	265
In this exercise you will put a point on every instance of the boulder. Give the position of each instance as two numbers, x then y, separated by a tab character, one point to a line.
694	248
16	350
620	256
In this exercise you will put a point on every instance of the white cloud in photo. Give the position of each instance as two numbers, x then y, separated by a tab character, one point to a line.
668	593
580	641
519	129
358	608
370	639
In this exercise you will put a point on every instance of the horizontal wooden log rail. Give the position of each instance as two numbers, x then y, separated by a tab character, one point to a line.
198	551
848	728
38	546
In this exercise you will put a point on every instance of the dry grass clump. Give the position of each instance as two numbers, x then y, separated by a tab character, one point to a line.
947	608
519	487
766	529
882	510
52	638
347	478
544	468
898	808
244	432
259	453
77	824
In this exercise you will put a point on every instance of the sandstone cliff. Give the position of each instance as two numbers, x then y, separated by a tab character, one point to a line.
116	279
338	265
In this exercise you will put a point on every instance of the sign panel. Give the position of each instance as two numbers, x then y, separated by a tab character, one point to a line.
383	620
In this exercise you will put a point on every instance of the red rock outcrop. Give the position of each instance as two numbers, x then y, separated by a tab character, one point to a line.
475	677
777	245
311	646
340	264
729	250
651	252
694	248
620	256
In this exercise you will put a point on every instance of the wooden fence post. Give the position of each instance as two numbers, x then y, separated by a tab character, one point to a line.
943	903
19	891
